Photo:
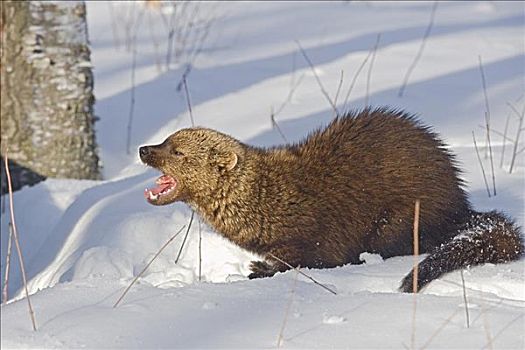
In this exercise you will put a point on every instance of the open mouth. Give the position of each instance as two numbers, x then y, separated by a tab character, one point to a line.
165	185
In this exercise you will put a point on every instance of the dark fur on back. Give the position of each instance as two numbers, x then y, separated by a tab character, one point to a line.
346	189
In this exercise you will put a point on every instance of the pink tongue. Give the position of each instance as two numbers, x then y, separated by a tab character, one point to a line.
160	188
162	183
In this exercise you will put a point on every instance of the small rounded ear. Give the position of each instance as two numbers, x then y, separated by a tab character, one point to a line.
232	161
226	159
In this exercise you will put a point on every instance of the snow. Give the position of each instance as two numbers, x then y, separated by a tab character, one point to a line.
85	241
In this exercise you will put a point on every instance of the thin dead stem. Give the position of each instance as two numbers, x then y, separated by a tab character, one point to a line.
517	140
415	271
487	109
170	26
294	64
188	102
481	164
147	265
369	75
3	197
155	42
114	30
439	329
132	90
502	330
302	273
5	295
465	301
420	51
485	310
17	243
291	92
200	250
338	90
487	121
356	75
185	237
288	307
276	126
312	67
416	247
187	31
290	95
486	325
188	99
293	86
490	156
514	109
497	133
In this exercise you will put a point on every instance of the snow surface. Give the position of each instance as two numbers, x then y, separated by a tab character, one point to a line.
84	241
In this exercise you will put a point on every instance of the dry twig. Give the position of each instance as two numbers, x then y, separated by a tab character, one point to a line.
481	164
338	90
188	99
514	109
185	237
487	110
489	343
415	271
132	90
147	265
416	246
200	250
465	298
17	243
369	75
312	67
517	140
487	121
490	155
505	137
5	296
439	329
114	30
132	98
2	179
276	126
420	51
356	75
486	324
155	42
288	307
293	87
302	273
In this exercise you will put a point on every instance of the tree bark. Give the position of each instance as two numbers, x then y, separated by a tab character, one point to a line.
47	119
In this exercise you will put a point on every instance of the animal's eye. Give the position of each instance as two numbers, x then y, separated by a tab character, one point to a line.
177	153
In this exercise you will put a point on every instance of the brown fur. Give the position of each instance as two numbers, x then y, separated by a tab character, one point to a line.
344	190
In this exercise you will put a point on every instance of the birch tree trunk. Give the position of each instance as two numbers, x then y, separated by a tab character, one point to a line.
47	91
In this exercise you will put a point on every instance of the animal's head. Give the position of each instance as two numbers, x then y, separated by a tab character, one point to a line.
193	162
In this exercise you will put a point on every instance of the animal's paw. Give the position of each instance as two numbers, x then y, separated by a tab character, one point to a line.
261	269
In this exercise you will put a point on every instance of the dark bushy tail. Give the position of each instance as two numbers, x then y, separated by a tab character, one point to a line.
486	238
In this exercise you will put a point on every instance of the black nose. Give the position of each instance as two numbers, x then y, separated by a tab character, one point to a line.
144	151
